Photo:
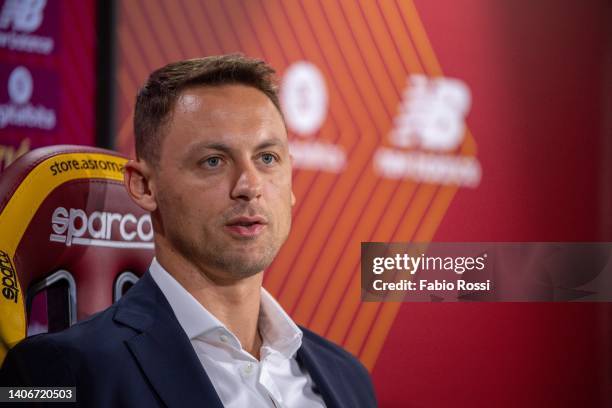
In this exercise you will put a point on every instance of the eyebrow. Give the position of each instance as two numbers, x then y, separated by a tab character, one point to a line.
227	149
270	143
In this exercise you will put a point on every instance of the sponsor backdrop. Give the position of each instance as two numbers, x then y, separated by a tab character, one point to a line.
417	121
47	75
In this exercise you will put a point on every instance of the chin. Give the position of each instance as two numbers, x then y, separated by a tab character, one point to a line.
240	264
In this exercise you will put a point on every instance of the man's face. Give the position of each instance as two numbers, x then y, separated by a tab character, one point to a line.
223	181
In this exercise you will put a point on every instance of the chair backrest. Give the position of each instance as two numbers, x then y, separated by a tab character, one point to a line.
67	226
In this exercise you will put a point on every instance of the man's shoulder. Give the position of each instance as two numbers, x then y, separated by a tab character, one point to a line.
94	331
332	353
101	338
99	335
54	358
329	348
105	329
341	368
84	333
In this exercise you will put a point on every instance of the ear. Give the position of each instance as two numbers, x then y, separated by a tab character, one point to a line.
292	195
138	183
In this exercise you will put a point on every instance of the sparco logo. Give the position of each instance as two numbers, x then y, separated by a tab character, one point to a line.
9	278
75	227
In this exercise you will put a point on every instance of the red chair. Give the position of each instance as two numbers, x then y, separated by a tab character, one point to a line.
71	239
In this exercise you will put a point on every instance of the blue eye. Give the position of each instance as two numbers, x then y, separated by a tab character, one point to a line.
268	158
212	161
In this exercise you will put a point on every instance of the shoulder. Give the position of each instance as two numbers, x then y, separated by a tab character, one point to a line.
340	361
326	348
98	330
58	357
37	361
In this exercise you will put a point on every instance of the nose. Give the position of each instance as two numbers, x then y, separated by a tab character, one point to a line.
248	183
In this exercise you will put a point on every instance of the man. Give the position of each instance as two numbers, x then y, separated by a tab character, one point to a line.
213	168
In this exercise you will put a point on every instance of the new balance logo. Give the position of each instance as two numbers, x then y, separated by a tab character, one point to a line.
24	15
432	114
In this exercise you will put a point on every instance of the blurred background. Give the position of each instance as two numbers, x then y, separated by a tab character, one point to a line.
409	121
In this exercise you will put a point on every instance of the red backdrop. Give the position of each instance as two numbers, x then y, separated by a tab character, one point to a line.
530	82
61	63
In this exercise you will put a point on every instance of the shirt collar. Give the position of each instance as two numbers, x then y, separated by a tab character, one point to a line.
192	316
279	331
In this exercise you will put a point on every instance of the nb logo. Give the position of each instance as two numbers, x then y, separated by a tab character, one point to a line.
23	15
432	114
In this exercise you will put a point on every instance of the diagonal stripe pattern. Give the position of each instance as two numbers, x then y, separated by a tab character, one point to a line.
365	50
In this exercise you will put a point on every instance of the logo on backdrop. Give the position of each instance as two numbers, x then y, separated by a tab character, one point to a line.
19	111
304	98
18	19
429	127
432	114
20	86
100	228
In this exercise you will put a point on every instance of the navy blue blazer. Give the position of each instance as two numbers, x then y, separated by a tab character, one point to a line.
135	354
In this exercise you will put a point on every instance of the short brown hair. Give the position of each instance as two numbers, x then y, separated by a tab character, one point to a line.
155	100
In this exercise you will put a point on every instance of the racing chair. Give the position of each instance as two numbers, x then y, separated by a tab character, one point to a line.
71	239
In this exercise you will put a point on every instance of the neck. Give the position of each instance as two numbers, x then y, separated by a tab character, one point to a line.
235	302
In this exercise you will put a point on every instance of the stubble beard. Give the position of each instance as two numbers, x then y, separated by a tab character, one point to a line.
229	259
224	257
236	262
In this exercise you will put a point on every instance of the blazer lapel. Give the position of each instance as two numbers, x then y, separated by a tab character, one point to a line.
163	350
324	374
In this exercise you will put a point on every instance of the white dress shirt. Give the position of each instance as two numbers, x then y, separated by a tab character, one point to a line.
276	380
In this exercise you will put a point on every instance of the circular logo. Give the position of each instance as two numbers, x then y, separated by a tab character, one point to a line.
304	98
20	85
